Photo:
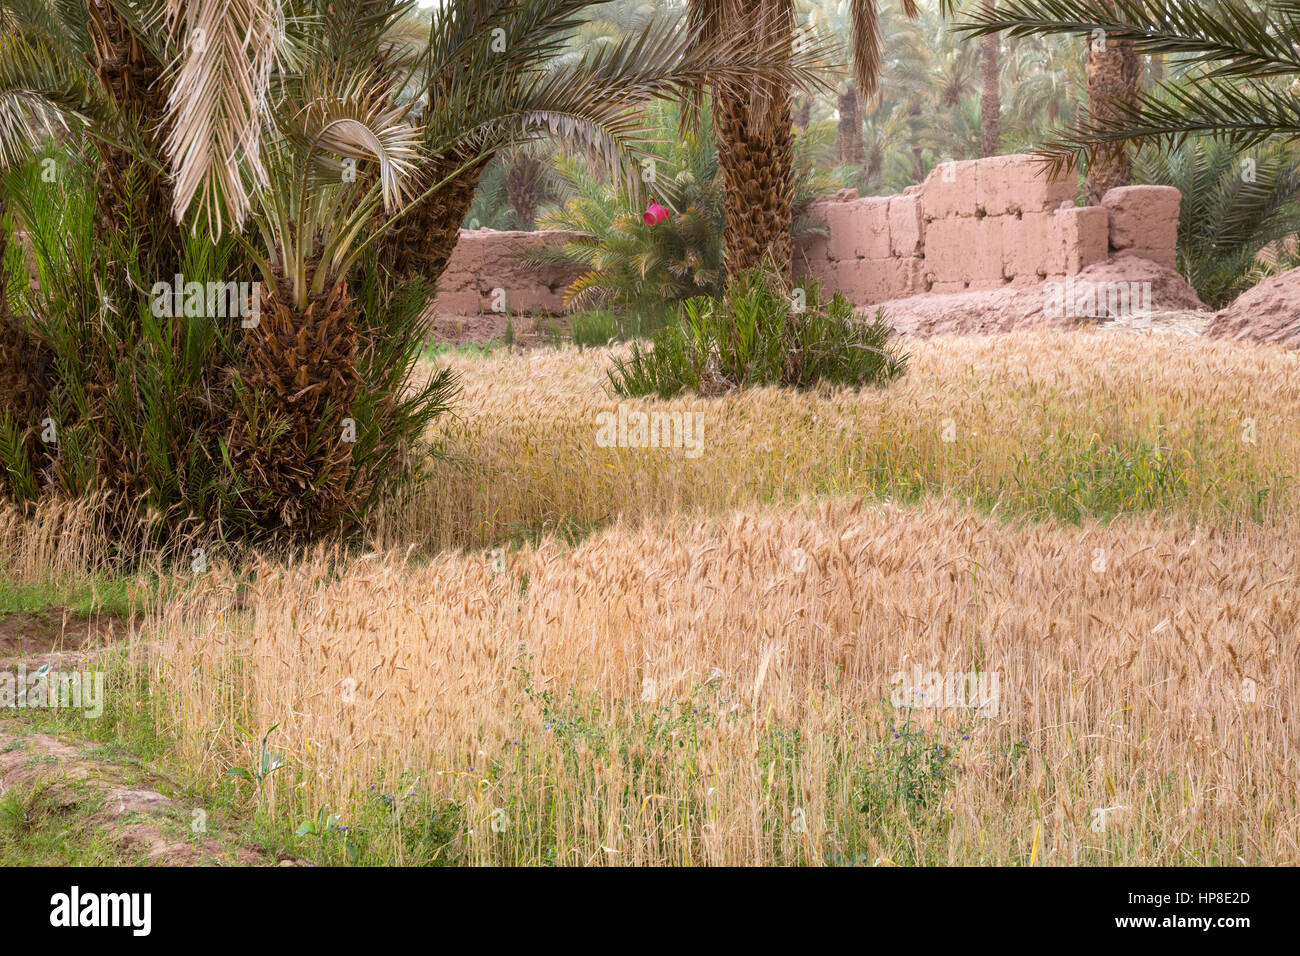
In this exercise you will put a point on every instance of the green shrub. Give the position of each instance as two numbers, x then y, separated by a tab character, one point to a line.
592	328
757	337
127	411
904	790
1228	217
628	264
911	772
138	405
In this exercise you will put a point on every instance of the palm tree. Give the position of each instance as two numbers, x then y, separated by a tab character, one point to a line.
834	19
1046	88
755	138
1234	84
903	111
991	98
299	374
1114	76
627	263
803	108
1227	219
498	73
128	65
173	94
525	173
754	125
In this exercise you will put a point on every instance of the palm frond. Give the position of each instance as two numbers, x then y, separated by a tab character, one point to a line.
867	45
1239	39
1242	113
593	102
220	80
33	83
1234	206
353	115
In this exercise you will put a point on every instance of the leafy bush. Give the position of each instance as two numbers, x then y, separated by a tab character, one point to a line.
904	791
911	772
1227	217
757	337
630	264
596	327
138	405
124	409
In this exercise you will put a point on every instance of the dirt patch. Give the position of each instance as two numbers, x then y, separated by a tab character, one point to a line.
22	760
129	804
56	632
530	331
1186	324
158	849
132	807
120	798
1083	300
1269	312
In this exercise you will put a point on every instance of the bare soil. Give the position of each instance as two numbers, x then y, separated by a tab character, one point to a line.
530	331
56	633
131	806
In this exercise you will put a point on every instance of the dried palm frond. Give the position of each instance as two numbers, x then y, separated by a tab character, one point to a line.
216	109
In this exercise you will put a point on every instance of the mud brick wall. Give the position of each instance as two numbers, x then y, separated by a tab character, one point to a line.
484	260
979	225
488	259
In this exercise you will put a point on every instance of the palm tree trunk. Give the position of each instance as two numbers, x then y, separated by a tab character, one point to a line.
753	128
851	148
991	96
288	435
523	178
24	361
24	364
875	163
131	194
756	159
422	241
4	245
24	368
803	111
1114	74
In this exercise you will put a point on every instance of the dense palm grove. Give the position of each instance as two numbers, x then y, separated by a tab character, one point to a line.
328	155
328	152
1036	72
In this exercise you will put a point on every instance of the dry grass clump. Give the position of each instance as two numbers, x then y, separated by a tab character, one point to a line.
80	553
1073	425
718	690
52	543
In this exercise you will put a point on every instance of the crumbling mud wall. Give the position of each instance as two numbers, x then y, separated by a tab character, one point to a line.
982	225
487	273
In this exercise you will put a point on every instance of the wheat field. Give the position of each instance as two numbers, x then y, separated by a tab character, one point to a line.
685	691
618	656
1030	424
